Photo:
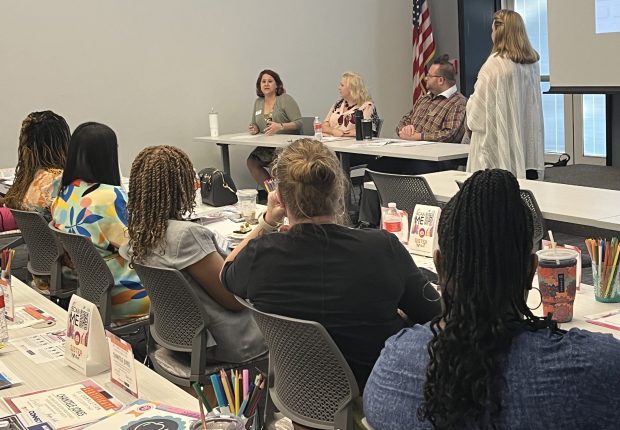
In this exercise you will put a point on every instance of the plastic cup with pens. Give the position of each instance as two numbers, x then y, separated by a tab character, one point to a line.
604	254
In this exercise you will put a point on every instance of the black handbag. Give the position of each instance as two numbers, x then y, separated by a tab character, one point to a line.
217	188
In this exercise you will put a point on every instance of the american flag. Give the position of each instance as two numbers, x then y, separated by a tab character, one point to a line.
423	45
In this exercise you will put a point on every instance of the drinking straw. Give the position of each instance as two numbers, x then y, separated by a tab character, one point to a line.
557	261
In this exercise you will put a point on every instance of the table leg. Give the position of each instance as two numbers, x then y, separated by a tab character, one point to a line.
345	162
225	157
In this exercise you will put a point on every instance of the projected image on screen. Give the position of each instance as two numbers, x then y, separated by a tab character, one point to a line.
607	16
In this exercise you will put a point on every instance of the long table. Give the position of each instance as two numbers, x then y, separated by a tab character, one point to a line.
435	151
594	207
56	373
585	304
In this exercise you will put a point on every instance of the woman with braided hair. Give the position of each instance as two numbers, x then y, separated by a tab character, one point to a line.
161	192
487	362
92	203
43	143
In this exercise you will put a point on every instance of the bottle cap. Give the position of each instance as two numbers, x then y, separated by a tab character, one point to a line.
391	205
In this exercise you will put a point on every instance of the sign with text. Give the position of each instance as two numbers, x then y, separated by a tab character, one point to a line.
423	237
85	346
9	303
122	364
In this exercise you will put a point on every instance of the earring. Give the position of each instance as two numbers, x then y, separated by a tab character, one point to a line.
541	300
428	284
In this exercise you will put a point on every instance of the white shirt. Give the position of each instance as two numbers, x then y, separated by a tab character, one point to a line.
505	116
447	93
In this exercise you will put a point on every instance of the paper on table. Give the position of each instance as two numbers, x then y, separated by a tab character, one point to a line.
43	347
609	319
246	136
333	139
7	377
398	142
28	315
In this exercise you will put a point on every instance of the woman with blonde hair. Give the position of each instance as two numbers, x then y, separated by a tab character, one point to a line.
351	281
504	113
340	120
161	192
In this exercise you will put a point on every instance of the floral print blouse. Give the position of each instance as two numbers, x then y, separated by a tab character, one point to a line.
342	115
99	212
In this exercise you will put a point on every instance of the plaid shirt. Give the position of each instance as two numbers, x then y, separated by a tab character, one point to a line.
439	119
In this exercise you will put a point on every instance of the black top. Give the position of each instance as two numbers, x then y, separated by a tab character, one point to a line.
351	281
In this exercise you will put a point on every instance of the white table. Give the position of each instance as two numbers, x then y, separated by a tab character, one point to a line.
594	207
151	386
435	151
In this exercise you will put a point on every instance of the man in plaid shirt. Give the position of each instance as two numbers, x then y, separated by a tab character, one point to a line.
438	116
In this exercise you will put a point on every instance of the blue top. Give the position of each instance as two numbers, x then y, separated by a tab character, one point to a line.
551	381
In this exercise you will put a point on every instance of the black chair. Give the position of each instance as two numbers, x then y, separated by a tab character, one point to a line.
310	381
177	345
96	281
406	191
45	254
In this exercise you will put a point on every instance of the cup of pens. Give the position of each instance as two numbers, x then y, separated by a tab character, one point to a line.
604	254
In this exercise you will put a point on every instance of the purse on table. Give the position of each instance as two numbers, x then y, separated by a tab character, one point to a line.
216	187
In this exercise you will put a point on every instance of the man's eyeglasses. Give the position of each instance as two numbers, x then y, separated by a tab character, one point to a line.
434	76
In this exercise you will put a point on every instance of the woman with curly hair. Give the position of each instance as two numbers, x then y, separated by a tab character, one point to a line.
43	143
161	192
487	361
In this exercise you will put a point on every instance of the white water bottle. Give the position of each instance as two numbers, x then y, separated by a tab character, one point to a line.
392	220
318	129
4	331
213	123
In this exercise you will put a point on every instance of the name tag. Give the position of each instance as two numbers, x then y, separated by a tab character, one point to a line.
258	112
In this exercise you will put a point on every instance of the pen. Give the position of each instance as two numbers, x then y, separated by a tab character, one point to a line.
227	391
201	396
219	393
237	397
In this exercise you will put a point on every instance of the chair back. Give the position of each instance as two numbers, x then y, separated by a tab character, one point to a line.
94	277
310	380
404	190
307	126
537	218
44	250
176	316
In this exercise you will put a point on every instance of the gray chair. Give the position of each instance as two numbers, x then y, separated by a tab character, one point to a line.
307	126
310	381
539	222
177	345
404	190
45	253
95	280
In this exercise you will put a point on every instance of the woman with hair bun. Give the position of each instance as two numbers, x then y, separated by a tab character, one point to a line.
351	281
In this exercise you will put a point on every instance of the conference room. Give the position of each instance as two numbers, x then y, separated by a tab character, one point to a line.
185	78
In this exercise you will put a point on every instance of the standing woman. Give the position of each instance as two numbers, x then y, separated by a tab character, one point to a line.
505	113
275	112
92	203
340	120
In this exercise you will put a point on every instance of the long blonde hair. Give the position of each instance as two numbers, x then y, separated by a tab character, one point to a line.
511	38
357	87
311	180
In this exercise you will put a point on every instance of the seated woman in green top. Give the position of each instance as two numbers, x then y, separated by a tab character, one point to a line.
274	112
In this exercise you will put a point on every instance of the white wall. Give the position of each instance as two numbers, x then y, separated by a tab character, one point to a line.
444	18
152	69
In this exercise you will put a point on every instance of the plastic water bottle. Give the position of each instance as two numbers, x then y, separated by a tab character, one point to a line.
392	220
318	129
4	331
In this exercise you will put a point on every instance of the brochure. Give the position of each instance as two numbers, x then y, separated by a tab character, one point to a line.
148	415
42	347
65	407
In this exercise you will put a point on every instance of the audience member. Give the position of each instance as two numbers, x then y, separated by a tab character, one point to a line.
505	111
161	192
43	143
487	361
92	203
274	112
351	281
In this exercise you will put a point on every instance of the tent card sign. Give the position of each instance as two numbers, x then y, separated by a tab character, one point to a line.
9	305
423	237
122	364
86	348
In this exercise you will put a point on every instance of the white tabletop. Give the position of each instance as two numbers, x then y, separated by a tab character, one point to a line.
435	151
585	304
595	207
56	373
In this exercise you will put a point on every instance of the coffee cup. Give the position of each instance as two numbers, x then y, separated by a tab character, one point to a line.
557	280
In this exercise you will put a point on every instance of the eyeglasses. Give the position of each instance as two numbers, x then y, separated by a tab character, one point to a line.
433	76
